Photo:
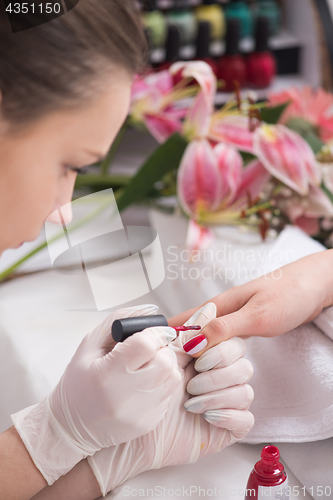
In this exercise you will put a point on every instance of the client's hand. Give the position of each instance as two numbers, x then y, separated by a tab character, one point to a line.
103	398
272	304
183	436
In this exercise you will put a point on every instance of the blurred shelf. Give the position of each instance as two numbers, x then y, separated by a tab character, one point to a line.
169	4
283	40
279	84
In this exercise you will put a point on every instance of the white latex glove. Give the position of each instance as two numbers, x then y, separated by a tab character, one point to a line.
183	436
103	398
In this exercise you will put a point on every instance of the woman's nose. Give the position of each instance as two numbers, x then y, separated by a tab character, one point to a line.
62	212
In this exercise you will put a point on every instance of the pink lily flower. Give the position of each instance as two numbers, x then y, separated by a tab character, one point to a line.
253	180
314	106
304	211
230	165
198	237
199	180
153	103
198	117
224	125
286	156
233	130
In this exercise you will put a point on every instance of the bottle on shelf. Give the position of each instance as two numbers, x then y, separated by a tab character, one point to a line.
203	45
239	9
172	47
261	66
155	23
184	18
268	479
271	10
232	65
212	12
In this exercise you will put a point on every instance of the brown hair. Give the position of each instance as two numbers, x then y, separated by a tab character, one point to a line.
60	62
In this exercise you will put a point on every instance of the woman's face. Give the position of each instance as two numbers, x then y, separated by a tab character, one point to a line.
35	164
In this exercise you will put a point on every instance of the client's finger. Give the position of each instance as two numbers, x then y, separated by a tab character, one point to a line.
239	398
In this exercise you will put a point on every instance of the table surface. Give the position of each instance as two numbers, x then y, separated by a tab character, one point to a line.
43	318
46	310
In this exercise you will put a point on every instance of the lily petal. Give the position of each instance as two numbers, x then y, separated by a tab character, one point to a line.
284	154
254	179
198	118
161	126
233	130
199	179
305	211
198	236
161	80
230	164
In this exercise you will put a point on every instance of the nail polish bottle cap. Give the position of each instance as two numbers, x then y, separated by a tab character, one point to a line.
180	5
149	5
261	34
232	37
172	44
209	2
125	327
203	40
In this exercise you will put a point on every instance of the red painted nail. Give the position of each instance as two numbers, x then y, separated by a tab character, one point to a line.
195	344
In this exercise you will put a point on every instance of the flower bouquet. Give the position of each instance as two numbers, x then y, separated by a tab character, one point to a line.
259	165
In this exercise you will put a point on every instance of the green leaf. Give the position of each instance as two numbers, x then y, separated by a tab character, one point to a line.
327	191
164	159
314	142
247	157
272	114
95	182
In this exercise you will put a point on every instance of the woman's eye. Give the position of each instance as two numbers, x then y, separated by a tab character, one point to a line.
78	170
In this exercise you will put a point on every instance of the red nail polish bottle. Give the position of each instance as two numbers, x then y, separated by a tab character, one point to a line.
268	479
202	45
261	66
232	66
172	47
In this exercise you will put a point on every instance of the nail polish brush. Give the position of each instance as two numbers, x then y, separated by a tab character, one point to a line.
125	327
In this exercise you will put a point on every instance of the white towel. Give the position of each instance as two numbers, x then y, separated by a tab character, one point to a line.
293	373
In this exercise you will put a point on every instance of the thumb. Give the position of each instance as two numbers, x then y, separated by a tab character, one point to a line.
200	317
99	341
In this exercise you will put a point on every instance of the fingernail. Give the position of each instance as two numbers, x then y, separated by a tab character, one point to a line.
215	416
192	405
195	344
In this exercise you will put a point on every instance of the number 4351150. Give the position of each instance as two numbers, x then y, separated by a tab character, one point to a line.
26	7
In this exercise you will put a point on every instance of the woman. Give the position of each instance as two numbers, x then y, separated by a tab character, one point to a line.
65	92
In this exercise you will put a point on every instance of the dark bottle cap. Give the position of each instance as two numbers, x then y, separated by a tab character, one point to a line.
203	40
232	37
181	5
209	2
172	45
262	34
149	5
125	327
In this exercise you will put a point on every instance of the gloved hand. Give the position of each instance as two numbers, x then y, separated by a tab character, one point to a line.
183	436
103	398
